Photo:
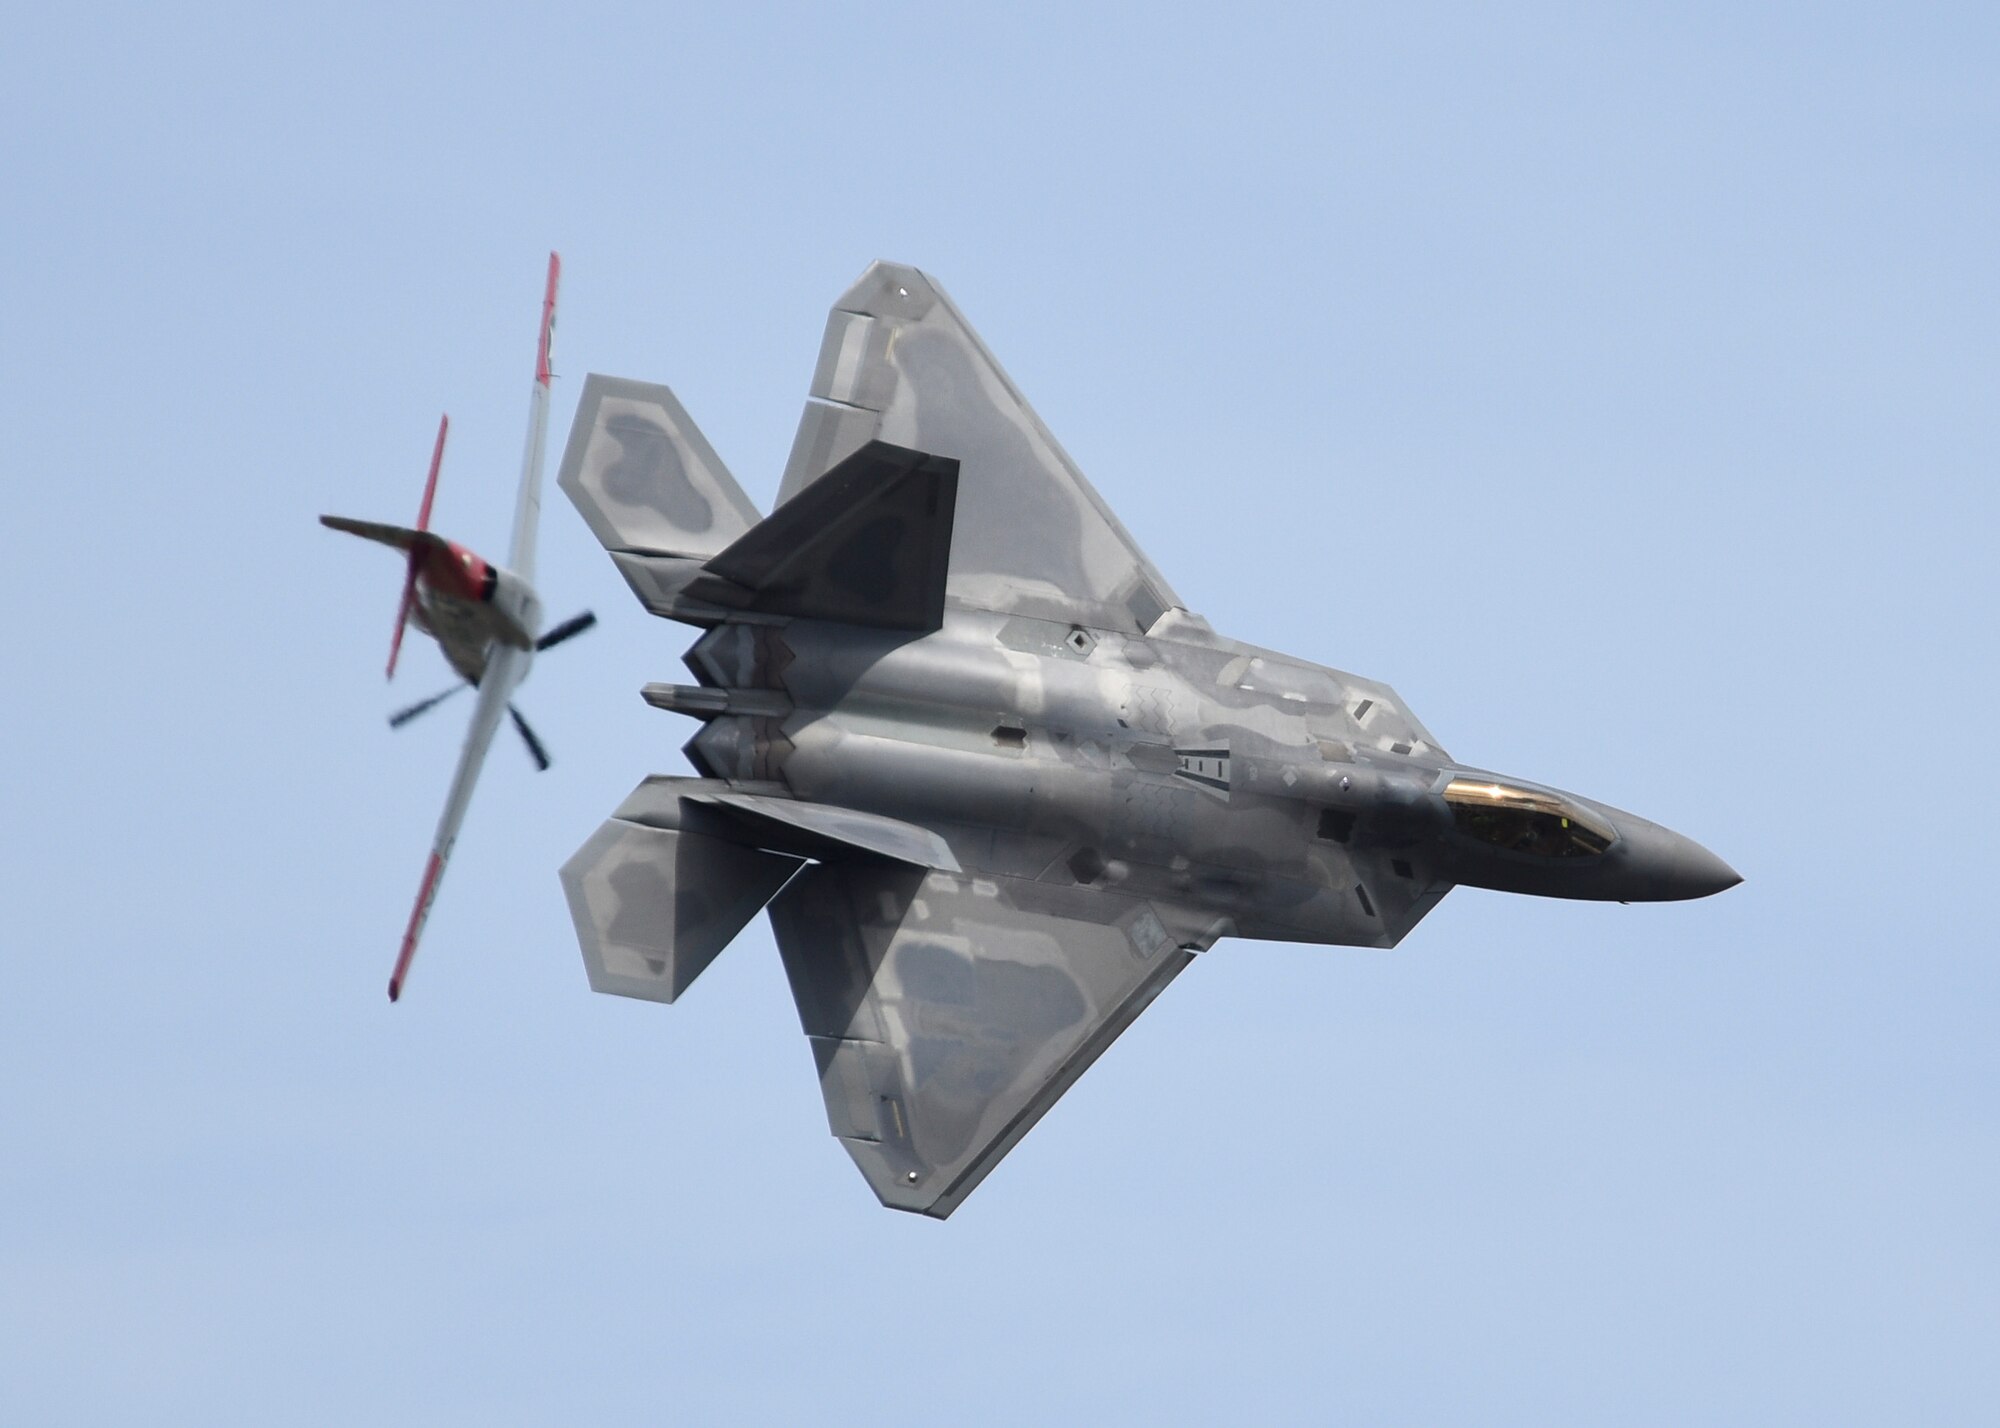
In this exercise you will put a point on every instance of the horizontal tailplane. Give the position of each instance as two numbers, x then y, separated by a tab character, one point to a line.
645	478
404	538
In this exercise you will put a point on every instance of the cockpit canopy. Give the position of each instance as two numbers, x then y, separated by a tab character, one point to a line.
1525	820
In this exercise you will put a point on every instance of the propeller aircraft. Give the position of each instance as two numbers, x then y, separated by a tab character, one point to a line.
486	619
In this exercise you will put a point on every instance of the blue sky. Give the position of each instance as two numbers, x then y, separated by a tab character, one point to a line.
1616	383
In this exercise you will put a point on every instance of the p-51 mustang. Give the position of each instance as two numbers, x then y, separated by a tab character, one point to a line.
486	618
996	783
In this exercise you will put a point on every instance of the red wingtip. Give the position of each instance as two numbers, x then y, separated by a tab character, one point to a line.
416	927
542	350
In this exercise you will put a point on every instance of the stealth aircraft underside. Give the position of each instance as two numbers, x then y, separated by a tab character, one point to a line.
995	783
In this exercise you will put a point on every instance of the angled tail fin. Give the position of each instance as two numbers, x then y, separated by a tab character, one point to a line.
869	543
416	542
662	887
423	524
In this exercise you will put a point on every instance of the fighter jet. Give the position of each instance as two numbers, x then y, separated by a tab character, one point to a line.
486	618
996	783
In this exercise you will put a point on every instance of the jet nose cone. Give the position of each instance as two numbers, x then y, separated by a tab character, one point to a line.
1671	868
1699	873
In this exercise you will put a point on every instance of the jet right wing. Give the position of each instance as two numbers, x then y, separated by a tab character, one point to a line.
947	1013
900	364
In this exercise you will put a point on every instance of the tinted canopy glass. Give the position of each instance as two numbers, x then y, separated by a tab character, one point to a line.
1525	820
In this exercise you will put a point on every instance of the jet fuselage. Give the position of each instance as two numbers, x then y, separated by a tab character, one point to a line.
1274	798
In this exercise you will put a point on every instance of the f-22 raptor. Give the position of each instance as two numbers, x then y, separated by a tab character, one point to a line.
995	782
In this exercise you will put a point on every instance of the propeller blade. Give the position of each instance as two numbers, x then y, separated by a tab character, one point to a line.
535	749
574	625
422	706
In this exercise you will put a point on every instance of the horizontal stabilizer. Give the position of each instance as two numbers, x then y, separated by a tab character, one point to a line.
641	473
869	543
395	537
654	906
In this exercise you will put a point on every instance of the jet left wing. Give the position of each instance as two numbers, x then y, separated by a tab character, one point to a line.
503	672
947	1013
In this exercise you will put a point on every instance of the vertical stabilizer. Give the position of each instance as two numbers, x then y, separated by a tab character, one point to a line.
662	888
415	558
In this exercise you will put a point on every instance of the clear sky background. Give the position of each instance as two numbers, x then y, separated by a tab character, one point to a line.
1616	381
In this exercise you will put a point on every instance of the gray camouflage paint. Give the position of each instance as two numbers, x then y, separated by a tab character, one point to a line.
1021	823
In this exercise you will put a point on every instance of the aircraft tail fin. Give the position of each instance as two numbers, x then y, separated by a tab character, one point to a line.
655	901
413	541
409	597
651	488
869	543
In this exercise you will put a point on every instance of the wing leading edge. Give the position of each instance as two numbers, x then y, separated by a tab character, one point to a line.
948	1013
